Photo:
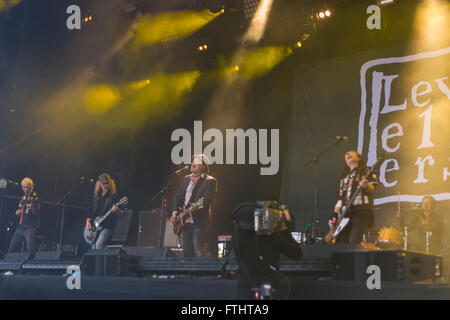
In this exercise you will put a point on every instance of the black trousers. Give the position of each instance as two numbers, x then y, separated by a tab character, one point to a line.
22	233
357	227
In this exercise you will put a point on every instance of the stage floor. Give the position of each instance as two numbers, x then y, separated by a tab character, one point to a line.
45	287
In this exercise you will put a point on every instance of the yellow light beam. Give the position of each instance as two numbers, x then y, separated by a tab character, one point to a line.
259	21
170	26
258	62
4	5
101	98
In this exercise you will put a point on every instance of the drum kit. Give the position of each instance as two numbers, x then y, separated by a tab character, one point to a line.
390	237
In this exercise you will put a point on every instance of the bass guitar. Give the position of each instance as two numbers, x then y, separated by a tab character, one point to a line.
179	223
90	236
344	217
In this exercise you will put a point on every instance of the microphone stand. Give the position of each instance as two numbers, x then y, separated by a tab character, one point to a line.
162	192
62	202
315	160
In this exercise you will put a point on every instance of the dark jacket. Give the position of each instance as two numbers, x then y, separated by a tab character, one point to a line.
110	222
205	187
32	217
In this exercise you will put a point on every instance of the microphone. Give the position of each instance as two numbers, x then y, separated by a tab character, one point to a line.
181	170
4	183
341	138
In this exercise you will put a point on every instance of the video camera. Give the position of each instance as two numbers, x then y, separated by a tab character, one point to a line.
268	219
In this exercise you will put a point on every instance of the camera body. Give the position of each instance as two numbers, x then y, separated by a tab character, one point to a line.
267	218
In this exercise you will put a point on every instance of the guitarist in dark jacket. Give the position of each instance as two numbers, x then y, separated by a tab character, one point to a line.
193	187
361	211
105	195
29	213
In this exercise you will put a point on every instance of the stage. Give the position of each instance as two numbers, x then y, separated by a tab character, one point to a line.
45	287
339	272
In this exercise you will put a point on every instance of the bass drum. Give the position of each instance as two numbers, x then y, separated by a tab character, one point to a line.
389	237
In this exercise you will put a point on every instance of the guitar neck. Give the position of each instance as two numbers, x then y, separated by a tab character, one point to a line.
183	214
105	216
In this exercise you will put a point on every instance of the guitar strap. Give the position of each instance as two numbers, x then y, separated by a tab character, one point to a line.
349	186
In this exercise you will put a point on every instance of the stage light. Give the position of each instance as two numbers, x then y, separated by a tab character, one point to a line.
86	19
328	13
298	44
202	47
90	18
321	14
236	68
138	85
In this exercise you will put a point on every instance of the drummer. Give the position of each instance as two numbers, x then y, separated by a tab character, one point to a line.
426	221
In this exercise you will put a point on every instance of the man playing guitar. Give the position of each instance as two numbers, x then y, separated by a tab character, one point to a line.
29	212
361	210
199	184
105	193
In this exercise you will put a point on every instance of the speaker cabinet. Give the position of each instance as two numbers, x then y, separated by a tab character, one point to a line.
149	228
17	256
170	238
121	231
395	265
108	262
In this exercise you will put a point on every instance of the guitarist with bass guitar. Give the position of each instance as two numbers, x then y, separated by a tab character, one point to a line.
354	178
105	195
199	184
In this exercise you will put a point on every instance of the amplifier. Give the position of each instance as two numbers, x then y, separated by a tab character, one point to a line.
148	228
395	265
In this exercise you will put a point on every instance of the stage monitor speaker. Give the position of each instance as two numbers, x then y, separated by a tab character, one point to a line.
148	229
150	252
395	265
122	229
47	255
17	256
66	252
108	262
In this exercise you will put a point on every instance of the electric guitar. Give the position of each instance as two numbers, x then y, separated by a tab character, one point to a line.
344	217
90	236
31	198
181	216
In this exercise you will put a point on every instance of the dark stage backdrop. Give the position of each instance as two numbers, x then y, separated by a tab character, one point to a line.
393	100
